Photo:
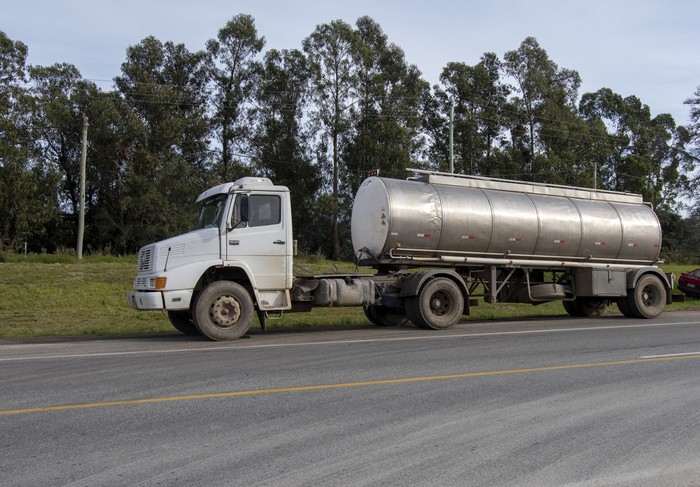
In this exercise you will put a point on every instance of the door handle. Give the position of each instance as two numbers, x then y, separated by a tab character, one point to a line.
279	242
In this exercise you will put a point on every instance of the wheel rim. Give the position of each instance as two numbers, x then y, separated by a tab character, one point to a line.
225	311
440	303
649	296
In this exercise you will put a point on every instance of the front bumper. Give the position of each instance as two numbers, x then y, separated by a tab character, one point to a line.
145	300
154	300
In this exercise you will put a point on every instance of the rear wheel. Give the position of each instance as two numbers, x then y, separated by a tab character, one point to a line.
585	307
223	311
591	307
183	322
624	307
572	308
439	305
648	298
383	316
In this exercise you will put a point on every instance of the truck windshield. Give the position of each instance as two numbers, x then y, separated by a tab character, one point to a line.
212	212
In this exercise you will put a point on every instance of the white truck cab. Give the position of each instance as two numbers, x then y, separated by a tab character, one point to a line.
244	231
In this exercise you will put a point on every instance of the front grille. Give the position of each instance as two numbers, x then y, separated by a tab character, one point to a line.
141	283
145	263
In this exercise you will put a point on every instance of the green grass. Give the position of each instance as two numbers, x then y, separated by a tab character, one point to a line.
46	296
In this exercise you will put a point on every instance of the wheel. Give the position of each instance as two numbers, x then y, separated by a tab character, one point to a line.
383	316
572	308
624	307
591	307
585	307
182	321
439	305
223	311
648	298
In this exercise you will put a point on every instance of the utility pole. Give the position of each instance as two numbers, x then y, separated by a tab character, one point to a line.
81	218
595	175
452	131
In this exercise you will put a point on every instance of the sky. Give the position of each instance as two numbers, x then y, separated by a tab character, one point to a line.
646	48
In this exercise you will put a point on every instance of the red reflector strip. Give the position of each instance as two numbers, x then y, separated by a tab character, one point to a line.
423	235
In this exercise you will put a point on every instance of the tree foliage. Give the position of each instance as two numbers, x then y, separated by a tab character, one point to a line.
317	119
231	68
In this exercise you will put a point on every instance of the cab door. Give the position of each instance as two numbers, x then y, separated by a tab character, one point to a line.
257	236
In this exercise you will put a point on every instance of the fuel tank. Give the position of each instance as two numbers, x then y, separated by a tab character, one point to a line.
484	217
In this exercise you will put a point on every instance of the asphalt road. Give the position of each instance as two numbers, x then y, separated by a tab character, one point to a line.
610	401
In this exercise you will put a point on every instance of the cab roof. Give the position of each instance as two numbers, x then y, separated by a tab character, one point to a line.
246	183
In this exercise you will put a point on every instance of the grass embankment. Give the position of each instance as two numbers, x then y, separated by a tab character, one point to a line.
43	296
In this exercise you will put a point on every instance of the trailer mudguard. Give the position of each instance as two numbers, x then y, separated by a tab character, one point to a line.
633	275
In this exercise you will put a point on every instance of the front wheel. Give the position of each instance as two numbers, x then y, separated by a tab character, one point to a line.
439	305
223	311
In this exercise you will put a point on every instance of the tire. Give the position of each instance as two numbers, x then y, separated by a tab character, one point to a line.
648	298
383	316
585	307
223	311
183	322
591	307
439	305
572	308
624	307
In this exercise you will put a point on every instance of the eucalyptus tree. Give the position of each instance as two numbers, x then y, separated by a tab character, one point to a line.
164	91
232	61
647	153
27	196
61	100
58	122
478	97
386	117
694	150
279	139
334	78
547	99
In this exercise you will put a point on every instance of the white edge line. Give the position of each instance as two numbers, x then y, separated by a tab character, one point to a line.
344	342
670	355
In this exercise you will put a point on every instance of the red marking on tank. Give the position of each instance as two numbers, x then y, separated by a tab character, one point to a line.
631	244
560	241
423	235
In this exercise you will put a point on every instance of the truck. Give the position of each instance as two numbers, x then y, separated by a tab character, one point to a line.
437	244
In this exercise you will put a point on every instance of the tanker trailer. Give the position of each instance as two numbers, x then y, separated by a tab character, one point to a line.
515	241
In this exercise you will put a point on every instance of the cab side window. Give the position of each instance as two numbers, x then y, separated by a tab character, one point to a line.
264	210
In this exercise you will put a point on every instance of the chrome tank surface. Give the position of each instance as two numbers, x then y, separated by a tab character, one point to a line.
498	218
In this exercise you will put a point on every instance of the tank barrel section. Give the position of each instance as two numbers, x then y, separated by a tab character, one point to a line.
463	219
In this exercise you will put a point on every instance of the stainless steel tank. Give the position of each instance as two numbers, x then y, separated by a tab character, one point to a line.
498	218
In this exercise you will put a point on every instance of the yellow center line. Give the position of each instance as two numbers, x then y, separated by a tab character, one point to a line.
405	380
